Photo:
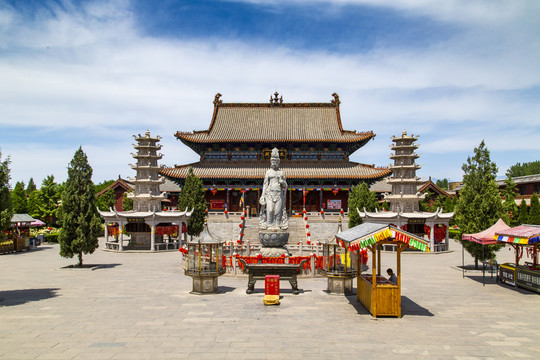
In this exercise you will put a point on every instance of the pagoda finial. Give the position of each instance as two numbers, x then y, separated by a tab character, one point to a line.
336	99
217	101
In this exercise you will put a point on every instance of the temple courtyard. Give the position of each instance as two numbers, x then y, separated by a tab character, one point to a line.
138	306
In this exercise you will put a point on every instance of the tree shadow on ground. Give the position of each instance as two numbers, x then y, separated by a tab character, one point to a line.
91	267
19	297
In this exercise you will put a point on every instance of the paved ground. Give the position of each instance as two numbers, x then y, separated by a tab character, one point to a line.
138	306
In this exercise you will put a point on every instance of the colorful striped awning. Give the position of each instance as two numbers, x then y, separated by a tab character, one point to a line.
365	234
521	235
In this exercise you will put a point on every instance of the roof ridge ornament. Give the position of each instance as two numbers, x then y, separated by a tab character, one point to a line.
275	100
217	101
336	99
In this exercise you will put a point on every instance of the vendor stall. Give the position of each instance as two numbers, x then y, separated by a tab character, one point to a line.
378	294
523	238
483	238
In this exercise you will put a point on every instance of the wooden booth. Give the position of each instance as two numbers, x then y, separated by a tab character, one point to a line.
523	238
379	295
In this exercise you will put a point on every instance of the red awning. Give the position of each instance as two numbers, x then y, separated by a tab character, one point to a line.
487	237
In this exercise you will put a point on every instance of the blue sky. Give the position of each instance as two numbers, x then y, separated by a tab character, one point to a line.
93	73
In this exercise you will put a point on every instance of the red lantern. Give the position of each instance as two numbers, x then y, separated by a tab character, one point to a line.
213	191
242	218
226	212
341	211
305	218
241	226
335	191
308	234
309	242
307	226
239	241
322	211
304	211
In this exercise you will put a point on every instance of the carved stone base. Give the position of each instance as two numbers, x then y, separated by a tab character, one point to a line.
340	285
273	238
205	284
274	251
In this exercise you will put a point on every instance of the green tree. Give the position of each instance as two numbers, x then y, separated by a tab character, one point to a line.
523	217
519	169
5	198
33	204
448	205
127	203
106	201
31	186
359	198
49	196
443	184
511	210
534	211
384	206
102	185
19	202
479	205
192	197
80	218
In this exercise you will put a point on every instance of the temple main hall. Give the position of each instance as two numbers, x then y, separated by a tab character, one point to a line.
314	151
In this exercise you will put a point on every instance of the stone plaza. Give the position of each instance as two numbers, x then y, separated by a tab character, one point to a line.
136	305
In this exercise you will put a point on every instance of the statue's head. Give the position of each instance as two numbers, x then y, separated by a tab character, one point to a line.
274	159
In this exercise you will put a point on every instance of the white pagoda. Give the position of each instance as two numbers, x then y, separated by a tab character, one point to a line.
149	227
405	199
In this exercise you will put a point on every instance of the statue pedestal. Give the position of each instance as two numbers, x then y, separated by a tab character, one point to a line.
273	242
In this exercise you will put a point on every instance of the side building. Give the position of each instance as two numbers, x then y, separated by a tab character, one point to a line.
314	151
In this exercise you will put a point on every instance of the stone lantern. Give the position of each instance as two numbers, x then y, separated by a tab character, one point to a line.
339	267
205	263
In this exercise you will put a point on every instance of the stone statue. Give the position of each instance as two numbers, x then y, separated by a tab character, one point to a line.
273	214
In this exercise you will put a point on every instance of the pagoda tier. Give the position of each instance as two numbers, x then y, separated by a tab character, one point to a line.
146	195
405	196
147	156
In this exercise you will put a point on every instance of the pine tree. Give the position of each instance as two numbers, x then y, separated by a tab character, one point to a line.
523	217
192	197
47	204
106	201
509	193
534	211
31	186
5	199
359	198
19	202
479	205
80	218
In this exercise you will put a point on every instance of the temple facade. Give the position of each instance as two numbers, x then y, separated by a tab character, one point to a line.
314	152
405	198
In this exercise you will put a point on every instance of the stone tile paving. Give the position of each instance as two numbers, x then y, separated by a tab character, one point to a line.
138	306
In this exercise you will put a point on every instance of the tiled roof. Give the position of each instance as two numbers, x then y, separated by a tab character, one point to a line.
258	170
287	122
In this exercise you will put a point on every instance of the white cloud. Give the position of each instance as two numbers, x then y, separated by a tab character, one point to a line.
90	69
